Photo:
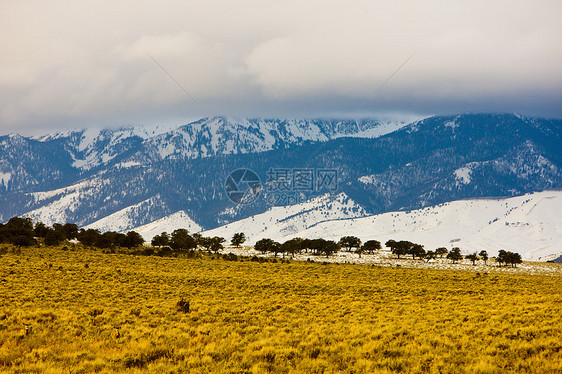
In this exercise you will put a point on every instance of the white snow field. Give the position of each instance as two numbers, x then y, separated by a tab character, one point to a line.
529	224
174	221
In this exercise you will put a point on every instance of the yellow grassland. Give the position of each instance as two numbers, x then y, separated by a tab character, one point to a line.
85	311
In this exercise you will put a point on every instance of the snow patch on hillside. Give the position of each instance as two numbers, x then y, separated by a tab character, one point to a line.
124	219
177	220
220	135
57	211
5	178
59	204
285	221
128	164
451	124
75	188
528	224
462	175
368	179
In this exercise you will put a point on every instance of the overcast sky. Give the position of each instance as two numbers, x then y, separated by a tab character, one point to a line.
73	64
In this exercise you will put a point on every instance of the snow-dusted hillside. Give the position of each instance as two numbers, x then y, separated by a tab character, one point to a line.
142	145
220	135
126	218
57	205
95	147
177	220
528	224
280	222
125	178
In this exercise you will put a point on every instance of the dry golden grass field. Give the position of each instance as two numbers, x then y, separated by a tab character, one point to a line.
85	311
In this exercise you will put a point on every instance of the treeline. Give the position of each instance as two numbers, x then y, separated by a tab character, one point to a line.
399	248
404	247
316	246
181	240
22	232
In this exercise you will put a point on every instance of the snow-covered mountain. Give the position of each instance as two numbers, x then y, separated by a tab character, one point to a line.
92	149
127	178
528	224
49	172
222	136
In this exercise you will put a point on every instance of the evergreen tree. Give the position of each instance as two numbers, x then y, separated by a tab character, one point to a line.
182	240
88	237
264	245
133	239
502	257
40	230
238	239
472	257
441	251
484	255
416	250
53	237
216	244
430	255
349	242
18	231
370	246
291	246
161	240
455	255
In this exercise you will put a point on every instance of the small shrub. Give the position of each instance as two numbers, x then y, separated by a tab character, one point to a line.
230	257
315	353
147	252
183	305
95	312
144	359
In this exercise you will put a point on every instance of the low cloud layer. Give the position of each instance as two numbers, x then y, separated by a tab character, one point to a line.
68	64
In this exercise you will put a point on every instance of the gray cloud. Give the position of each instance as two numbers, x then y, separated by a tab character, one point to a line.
73	64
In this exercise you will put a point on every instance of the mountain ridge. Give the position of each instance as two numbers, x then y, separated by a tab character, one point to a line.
424	163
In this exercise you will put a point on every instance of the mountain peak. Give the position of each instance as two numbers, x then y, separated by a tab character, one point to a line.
446	158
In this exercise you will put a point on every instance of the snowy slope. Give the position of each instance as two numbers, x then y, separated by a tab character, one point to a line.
59	204
220	135
96	148
124	219
86	176
528	224
280	222
177	220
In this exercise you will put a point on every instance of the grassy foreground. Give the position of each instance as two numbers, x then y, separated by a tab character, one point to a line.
85	311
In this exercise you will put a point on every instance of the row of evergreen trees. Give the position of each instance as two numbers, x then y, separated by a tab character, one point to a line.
22	232
316	246
180	239
399	248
